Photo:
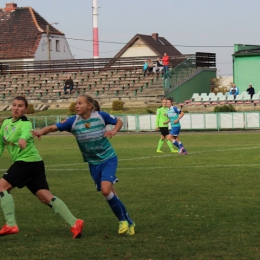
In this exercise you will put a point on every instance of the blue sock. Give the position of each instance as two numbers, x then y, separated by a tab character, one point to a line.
182	147
176	144
129	220
115	205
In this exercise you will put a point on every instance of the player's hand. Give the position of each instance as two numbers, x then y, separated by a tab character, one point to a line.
36	134
110	133
22	143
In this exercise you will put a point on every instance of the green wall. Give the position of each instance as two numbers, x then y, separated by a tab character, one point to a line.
200	83
246	70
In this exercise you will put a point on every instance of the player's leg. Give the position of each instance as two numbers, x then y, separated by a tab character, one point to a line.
160	143
7	205
182	149
40	188
14	177
104	178
165	133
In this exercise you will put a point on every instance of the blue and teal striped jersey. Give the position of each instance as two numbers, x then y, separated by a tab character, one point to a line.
89	133
173	114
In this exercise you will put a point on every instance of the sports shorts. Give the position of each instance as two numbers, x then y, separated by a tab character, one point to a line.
175	131
29	174
164	130
105	171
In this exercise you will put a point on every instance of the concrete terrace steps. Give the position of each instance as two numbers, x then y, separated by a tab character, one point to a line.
101	85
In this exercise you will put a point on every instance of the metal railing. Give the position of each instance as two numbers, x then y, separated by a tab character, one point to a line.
80	64
180	73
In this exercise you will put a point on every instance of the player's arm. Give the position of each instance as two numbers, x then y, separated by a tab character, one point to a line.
166	122
61	126
25	134
115	129
2	146
44	131
157	119
181	114
111	120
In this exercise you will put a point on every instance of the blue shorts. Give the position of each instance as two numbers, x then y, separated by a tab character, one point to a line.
175	131
105	171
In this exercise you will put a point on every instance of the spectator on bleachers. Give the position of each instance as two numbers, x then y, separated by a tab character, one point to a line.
166	61
159	66
145	67
234	90
250	90
150	66
68	85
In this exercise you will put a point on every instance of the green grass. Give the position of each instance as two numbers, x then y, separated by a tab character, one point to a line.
201	206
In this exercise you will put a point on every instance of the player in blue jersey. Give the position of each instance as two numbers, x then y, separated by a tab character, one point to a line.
175	115
89	129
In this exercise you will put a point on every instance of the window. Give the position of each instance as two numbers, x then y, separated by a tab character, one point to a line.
57	45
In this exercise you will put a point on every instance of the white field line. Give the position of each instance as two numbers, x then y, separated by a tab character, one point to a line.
53	167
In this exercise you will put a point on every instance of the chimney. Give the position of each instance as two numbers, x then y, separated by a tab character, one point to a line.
155	36
9	7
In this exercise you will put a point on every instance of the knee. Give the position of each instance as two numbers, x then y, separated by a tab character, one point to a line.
44	196
106	191
44	200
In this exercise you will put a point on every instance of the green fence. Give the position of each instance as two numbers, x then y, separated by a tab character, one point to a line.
190	121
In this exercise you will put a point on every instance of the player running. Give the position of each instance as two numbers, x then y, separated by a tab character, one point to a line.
89	129
161	117
174	116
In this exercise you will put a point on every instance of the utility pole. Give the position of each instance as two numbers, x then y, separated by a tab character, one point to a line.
48	41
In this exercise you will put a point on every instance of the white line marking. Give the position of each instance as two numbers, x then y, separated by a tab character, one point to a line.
52	167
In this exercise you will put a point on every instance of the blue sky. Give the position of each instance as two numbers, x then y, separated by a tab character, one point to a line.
199	23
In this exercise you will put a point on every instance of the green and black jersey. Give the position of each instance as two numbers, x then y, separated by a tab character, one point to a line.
10	133
161	117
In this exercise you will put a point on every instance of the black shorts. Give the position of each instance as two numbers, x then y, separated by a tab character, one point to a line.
29	174
164	130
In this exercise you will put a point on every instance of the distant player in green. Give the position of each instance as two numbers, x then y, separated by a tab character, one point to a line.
161	117
27	170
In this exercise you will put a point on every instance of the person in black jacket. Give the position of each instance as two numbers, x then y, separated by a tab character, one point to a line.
250	90
68	84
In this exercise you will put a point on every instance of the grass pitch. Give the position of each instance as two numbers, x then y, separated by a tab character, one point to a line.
201	206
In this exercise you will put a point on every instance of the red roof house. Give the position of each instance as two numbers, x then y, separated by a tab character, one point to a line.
25	34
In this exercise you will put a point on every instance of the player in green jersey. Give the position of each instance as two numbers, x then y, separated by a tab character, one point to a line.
27	170
161	117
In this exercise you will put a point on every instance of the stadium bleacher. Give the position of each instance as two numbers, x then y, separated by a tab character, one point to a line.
127	85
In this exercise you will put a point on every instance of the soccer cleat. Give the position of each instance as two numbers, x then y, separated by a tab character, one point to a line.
76	230
159	151
184	153
131	230
181	150
7	230
174	151
123	227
